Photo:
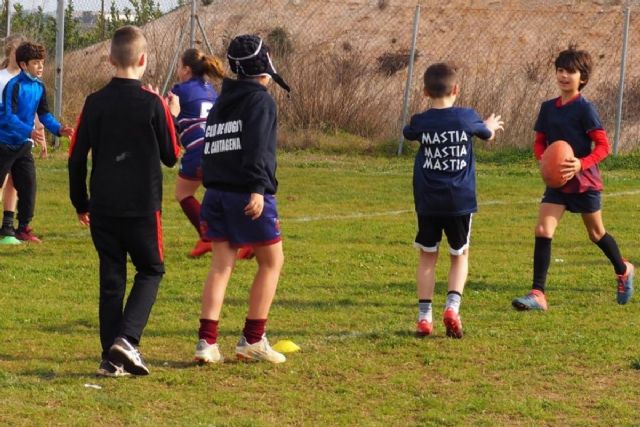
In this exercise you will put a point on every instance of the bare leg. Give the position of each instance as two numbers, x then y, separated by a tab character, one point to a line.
458	272
222	263
270	260
426	274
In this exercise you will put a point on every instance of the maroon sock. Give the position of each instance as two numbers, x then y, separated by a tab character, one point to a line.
208	331
191	208
254	329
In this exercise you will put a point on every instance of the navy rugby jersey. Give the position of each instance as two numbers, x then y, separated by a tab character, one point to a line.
240	140
444	173
197	96
129	131
572	122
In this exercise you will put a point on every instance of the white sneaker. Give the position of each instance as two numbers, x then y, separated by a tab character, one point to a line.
207	353
258	351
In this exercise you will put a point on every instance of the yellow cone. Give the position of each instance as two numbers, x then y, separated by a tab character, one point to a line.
285	346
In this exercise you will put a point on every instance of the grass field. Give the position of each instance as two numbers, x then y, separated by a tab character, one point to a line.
347	297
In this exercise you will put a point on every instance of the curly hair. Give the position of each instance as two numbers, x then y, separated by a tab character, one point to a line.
28	51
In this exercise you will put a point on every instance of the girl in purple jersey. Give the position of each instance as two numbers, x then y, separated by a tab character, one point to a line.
195	72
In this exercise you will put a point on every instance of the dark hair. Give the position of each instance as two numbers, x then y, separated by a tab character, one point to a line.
127	44
439	79
202	64
28	51
574	60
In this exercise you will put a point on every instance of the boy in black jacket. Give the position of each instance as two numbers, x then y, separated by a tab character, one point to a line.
239	207
129	130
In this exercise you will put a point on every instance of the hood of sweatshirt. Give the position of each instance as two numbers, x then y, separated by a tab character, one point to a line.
233	91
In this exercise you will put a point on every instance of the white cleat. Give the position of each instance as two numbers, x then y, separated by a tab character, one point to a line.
258	351
207	353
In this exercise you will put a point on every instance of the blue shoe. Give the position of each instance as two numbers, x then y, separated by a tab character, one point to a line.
534	300
625	284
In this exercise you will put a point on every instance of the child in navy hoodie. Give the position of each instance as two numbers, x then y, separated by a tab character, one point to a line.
444	189
239	206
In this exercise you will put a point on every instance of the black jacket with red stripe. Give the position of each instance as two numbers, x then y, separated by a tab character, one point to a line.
129	131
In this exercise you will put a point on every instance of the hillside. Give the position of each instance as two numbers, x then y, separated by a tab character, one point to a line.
504	46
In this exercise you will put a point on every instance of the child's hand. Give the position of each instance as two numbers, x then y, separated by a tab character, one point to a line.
66	131
570	167
494	123
255	206
152	88
84	218
173	101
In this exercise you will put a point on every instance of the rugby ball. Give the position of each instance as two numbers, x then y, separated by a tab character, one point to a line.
551	163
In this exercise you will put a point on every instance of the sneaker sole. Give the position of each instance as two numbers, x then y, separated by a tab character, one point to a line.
118	355
107	374
453	329
244	358
519	306
203	361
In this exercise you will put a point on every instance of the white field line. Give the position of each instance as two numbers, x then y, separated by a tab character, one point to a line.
360	215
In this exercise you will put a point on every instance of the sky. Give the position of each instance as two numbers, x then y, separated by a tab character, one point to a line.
79	5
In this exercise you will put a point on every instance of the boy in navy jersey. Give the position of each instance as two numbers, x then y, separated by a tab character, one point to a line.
239	206
444	190
129	131
572	118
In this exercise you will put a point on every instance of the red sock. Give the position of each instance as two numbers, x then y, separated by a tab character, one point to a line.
254	329
208	331
191	208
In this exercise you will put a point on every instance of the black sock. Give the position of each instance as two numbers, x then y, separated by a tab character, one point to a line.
7	218
541	261
454	292
611	250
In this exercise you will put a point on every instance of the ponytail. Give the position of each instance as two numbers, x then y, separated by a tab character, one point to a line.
202	64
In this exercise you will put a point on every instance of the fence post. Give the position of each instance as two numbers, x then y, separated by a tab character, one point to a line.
8	3
57	106
407	89
623	66
194	11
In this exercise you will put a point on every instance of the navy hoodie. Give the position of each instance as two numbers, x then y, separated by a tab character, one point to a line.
240	140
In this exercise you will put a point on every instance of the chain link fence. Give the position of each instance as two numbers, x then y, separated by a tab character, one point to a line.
347	61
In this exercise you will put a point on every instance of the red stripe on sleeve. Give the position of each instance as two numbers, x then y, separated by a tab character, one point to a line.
539	145
169	120
74	137
600	151
159	235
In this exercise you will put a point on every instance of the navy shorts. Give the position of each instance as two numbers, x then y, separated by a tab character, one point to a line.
191	164
456	228
587	202
222	219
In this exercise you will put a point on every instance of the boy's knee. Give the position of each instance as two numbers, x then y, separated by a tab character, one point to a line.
596	235
542	231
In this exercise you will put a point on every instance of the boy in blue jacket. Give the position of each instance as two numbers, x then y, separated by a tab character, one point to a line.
444	189
24	97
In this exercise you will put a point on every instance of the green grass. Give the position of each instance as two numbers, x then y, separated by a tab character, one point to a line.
347	297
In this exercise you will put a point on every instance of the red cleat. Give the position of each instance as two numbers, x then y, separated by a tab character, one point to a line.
424	328
453	323
26	235
201	248
245	252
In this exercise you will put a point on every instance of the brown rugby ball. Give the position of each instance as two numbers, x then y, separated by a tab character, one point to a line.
551	162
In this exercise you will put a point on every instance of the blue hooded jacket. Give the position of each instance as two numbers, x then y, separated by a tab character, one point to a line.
24	97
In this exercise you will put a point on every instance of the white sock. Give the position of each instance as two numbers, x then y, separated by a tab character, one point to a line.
453	301
425	312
